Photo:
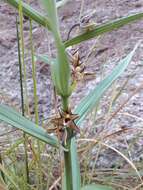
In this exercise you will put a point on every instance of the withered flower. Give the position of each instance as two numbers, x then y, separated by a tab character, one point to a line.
63	122
78	68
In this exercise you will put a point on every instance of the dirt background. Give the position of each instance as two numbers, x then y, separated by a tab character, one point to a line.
118	43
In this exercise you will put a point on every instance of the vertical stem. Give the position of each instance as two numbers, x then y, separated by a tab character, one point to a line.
67	155
36	107
68	167
22	104
23	65
34	76
65	103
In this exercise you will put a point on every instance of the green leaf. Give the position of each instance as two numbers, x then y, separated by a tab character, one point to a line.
76	181
54	69
31	13
75	166
63	71
15	119
9	177
61	68
44	58
50	7
104	28
89	102
34	14
64	181
52	62
96	187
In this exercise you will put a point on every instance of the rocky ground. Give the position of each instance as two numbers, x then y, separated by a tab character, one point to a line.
117	44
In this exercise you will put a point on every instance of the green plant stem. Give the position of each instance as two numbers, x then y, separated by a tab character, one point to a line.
36	107
68	167
22	104
65	103
67	155
23	66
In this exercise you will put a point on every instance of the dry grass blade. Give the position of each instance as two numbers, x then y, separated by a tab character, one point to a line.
138	187
137	90
132	115
117	151
55	183
122	155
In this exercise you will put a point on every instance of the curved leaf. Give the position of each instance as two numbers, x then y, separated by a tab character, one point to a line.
34	14
31	13
104	28
96	187
15	119
88	103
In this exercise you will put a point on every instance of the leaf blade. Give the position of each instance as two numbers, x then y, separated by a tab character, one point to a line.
104	28
75	166
96	187
61	68
31	13
93	97
15	119
76	180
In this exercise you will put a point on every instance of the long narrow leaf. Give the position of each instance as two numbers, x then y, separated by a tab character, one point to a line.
96	187
88	103
61	68
50	6
76	181
54	69
75	166
31	13
104	28
15	119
